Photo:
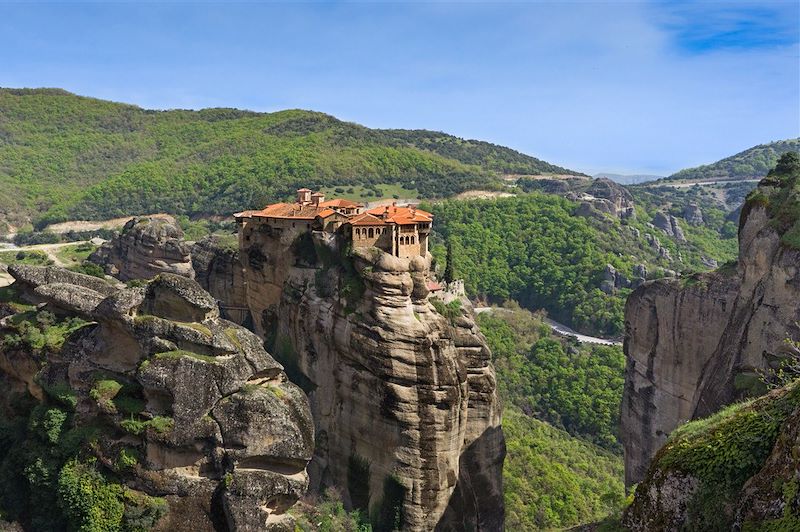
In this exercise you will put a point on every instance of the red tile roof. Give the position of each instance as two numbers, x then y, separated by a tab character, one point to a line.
433	286
366	219
326	212
343	203
402	215
388	214
284	210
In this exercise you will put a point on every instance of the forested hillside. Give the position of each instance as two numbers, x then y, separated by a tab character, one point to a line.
561	404
64	156
539	250
753	163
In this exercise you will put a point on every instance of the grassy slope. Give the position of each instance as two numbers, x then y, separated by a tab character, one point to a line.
552	479
753	163
63	157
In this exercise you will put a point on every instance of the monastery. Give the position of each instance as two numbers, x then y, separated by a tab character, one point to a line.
400	230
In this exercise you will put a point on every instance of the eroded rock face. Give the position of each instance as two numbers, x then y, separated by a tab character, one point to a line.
736	471
669	225
219	271
146	247
219	415
695	345
617	196
404	400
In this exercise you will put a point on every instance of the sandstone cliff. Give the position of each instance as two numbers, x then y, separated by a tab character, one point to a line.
146	247
218	269
403	398
203	415
696	344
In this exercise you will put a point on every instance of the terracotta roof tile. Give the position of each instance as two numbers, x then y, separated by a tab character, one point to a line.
366	219
402	215
344	203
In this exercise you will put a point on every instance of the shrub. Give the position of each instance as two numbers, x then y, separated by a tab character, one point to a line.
90	503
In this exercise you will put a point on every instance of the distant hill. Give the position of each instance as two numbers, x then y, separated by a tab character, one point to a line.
753	163
629	179
64	156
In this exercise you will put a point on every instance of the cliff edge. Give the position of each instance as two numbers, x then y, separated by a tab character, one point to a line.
696	344
401	384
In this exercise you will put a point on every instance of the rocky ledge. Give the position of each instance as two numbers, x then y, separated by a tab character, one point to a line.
146	247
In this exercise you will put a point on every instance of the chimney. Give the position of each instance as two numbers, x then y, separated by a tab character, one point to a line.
317	198
385	213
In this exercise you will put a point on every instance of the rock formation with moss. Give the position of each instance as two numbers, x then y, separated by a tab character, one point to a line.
401	384
736	470
696	344
142	407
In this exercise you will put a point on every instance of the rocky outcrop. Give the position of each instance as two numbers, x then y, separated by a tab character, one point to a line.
738	470
596	197
219	271
403	398
669	225
696	344
614	195
693	214
146	247
222	433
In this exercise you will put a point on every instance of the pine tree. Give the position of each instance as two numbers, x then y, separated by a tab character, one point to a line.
448	270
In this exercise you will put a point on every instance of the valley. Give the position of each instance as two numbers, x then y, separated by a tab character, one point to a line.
475	378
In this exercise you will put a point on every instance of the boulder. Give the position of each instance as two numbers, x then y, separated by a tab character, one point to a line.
693	215
146	247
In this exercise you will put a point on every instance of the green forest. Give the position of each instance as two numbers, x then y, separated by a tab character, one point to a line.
65	157
561	403
535	249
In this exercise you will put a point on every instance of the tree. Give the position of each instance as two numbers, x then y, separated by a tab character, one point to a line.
448	270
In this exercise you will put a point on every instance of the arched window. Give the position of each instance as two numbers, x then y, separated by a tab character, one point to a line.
413	240
371	232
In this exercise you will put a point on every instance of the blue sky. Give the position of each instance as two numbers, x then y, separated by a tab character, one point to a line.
595	86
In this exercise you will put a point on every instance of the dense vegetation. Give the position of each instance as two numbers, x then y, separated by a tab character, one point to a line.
49	478
753	163
574	387
553	478
67	157
535	249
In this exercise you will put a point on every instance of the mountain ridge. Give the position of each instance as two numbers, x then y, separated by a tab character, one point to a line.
66	156
753	163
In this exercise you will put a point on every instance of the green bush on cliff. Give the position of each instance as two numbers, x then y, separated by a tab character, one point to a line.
89	501
723	451
727	448
40	330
